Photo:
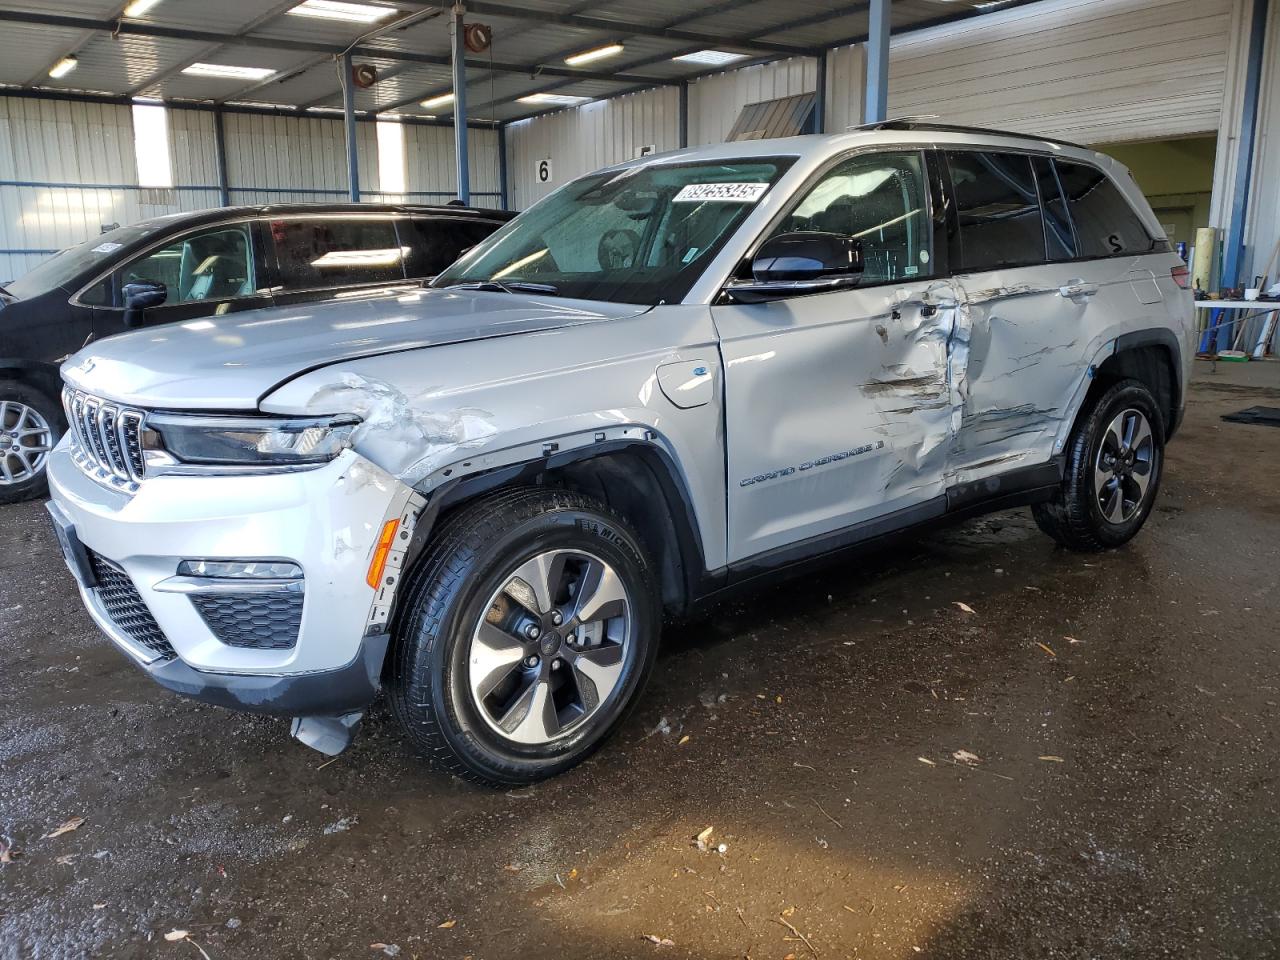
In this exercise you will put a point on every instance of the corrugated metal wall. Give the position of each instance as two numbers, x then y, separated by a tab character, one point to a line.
67	168
432	176
846	87
580	140
1094	71
715	101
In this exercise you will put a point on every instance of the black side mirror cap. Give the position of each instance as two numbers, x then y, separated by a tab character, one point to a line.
139	295
807	255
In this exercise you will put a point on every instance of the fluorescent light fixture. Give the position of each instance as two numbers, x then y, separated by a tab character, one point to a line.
391	164
439	101
712	58
139	7
559	99
151	145
338	10
589	56
63	67
228	73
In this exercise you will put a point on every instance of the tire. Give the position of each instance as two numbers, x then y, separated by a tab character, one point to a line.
30	426
465	608
1112	476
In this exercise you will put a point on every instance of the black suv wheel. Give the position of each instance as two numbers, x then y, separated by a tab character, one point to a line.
29	429
529	628
1112	473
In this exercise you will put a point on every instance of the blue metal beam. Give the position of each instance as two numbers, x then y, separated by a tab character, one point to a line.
502	167
220	158
460	104
349	124
682	116
877	107
820	98
1233	247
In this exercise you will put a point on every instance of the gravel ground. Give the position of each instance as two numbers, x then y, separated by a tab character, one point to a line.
1123	803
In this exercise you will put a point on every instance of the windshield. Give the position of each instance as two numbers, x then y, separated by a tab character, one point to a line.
96	253
641	235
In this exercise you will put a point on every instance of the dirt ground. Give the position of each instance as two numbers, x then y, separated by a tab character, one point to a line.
1123	708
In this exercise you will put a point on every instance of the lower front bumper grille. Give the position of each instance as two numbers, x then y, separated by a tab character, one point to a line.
259	621
126	608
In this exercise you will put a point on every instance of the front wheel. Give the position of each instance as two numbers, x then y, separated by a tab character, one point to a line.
530	626
29	429
1112	474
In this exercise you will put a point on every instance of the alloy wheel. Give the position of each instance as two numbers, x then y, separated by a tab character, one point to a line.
25	441
1125	466
551	647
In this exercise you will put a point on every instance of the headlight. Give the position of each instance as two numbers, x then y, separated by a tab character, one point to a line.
170	439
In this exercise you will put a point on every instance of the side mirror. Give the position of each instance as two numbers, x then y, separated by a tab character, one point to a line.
138	296
791	264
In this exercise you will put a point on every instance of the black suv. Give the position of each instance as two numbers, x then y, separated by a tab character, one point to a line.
192	265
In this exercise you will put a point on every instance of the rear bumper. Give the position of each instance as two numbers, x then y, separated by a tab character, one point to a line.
325	520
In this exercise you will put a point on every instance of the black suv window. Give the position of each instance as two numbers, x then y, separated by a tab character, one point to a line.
435	242
1105	222
212	264
881	199
1000	222
322	252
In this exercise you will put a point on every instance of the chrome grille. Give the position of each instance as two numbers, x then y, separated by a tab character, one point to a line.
106	439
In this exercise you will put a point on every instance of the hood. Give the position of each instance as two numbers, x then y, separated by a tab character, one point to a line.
230	362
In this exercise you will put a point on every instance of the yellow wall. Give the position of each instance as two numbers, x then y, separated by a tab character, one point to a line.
1177	178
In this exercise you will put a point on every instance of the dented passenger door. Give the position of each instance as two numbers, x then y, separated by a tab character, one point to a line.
838	406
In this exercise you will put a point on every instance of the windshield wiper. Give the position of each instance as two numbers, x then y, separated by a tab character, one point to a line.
506	286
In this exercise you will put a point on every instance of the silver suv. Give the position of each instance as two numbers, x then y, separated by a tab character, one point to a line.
666	381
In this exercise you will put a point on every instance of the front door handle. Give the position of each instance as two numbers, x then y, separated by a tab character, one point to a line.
1078	290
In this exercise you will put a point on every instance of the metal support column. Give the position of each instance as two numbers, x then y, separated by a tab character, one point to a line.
349	123
682	116
460	103
1233	246
502	166
877	107
220	158
820	96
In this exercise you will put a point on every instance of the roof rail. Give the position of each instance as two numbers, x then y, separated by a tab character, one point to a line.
927	123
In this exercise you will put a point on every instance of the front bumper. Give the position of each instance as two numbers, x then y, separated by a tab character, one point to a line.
325	520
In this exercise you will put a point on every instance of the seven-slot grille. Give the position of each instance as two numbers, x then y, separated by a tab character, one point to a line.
107	438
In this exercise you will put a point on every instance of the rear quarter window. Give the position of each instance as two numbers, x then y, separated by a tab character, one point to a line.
1105	224
999	210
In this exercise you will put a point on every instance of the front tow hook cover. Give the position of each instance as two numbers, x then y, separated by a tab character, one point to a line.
329	735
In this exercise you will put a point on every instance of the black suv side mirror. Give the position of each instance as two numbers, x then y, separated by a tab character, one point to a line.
799	263
139	295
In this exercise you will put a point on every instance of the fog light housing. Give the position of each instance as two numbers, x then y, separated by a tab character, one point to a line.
240	569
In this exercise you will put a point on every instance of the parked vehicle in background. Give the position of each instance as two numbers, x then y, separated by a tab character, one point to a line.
666	381
192	265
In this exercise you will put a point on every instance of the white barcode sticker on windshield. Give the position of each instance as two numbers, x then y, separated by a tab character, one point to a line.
107	247
723	192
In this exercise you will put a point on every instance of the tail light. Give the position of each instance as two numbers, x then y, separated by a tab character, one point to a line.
1181	275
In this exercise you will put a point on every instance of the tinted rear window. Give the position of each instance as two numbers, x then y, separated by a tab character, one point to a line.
1000	222
435	242
319	253
1105	224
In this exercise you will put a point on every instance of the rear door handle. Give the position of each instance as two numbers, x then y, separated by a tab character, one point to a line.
1078	290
